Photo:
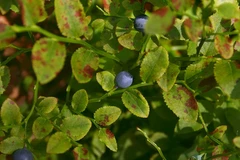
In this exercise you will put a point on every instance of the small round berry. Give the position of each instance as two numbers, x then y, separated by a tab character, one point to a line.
124	79
22	154
139	22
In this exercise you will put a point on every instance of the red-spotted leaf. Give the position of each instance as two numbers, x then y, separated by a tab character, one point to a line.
236	141
41	127
154	65
58	143
107	115
10	113
218	150
168	79
6	35
106	80
4	78
224	46
9	145
106	5
164	17
193	28
47	105
132	40
84	63
33	11
76	126
107	137
80	100
136	103
81	153
227	75
219	131
71	18
48	57
182	102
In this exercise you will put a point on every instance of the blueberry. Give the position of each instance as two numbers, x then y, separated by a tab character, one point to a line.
22	154
139	22
124	79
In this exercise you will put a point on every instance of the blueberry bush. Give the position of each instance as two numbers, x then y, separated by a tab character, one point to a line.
63	94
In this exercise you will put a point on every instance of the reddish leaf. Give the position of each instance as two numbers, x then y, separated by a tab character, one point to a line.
224	46
193	29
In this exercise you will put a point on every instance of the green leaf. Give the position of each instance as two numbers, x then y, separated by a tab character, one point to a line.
236	141
182	102
10	113
164	17
154	65
219	131
66	112
107	115
71	18
132	40
192	48
224	46
84	63
80	100
98	25
6	35
80	153
47	105
193	29
76	126
41	127
18	131
168	79
9	145
227	9
208	47
123	26
233	117
48	58
135	102
4	78
132	5
58	143
106	80
184	127
200	74
108	138
33	12
227	75
5	6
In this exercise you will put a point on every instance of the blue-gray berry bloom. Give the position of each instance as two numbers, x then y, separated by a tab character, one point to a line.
139	22
22	154
124	79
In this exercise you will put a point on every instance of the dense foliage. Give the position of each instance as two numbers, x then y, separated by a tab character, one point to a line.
58	89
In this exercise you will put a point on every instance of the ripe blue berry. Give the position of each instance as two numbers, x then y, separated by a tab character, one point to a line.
124	79
22	154
139	22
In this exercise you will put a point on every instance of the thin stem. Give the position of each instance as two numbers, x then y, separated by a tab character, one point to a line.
142	52
185	84
114	91
217	141
15	55
68	90
153	144
222	155
36	87
63	39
